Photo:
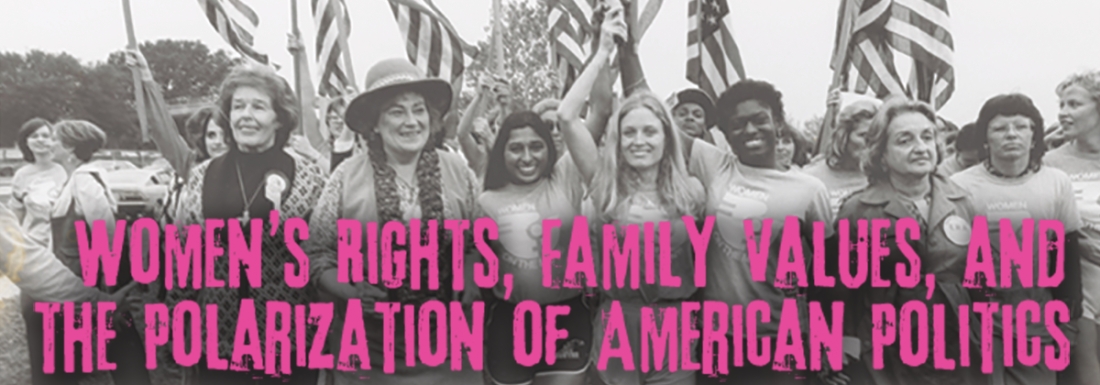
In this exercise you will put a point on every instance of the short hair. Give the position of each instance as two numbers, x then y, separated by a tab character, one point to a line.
1013	105
878	135
802	144
969	138
849	118
25	132
496	174
195	129
750	89
544	105
262	78
1089	80
84	137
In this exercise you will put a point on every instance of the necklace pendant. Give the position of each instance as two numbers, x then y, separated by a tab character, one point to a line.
245	217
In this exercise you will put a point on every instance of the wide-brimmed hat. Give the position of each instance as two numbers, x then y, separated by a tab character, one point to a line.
384	80
697	96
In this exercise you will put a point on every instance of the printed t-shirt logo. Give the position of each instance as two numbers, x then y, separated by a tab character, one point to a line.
737	205
521	230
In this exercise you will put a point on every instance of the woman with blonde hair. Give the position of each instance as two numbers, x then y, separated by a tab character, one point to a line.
1079	116
840	167
638	177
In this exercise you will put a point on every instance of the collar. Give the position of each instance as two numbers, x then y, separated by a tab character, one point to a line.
945	194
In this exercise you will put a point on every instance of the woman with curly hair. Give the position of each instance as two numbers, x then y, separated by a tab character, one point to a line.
840	168
257	175
792	150
1079	115
900	167
401	177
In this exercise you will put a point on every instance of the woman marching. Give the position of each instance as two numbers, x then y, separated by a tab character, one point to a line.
900	166
527	182
35	186
401	177
258	110
638	177
1079	115
840	167
1012	184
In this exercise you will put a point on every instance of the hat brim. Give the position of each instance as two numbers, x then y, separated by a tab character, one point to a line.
362	113
692	95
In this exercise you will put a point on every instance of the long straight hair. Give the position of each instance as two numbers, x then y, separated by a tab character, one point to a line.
613	183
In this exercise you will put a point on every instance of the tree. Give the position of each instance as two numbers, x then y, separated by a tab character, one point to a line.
184	69
57	86
526	52
39	84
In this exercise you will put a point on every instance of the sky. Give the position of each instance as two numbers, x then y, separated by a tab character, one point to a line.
1025	46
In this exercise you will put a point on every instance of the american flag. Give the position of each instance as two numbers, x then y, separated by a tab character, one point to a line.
714	62
235	26
571	34
334	74
432	43
919	29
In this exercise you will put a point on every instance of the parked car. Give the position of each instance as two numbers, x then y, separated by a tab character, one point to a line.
138	190
110	165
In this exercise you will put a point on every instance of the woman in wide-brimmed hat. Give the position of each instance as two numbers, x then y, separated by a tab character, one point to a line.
257	175
401	176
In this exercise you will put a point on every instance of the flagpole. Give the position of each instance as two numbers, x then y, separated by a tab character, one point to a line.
297	68
498	44
139	98
343	39
840	59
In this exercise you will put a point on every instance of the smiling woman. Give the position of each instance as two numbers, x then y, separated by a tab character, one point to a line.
400	177
256	176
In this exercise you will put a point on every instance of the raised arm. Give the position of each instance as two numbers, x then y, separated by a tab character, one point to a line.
582	147
599	103
629	62
474	152
162	128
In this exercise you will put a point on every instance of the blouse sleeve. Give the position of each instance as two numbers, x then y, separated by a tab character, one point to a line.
321	246
35	269
163	130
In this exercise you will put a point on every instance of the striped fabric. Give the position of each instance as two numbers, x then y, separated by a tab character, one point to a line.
332	67
432	43
714	62
236	24
918	29
571	35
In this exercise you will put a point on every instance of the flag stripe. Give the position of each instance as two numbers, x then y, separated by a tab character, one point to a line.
431	42
230	30
919	29
714	61
331	67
